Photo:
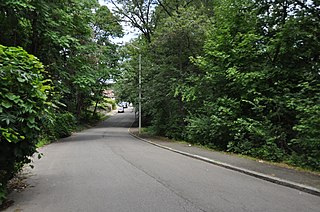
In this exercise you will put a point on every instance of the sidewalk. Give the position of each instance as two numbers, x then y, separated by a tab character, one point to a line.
300	180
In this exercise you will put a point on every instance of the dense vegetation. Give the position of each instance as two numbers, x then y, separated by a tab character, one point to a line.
55	60
237	75
23	103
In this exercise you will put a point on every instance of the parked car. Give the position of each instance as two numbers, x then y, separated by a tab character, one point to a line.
120	110
125	104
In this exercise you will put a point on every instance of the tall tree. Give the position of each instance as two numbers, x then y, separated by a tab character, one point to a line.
259	63
166	66
138	14
239	75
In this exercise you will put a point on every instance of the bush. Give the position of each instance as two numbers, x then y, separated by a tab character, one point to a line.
64	124
306	146
22	105
213	127
58	125
255	138
105	104
112	102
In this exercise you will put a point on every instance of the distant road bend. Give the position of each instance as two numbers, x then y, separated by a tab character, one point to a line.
105	169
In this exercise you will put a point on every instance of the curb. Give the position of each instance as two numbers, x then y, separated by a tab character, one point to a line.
279	181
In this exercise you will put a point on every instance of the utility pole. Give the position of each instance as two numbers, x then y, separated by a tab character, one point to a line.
139	86
139	93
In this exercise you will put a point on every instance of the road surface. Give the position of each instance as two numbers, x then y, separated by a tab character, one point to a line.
105	169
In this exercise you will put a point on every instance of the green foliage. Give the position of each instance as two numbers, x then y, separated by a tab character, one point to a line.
308	133
72	40
107	24
255	138
239	75
166	65
257	65
136	13
23	97
58	125
64	124
106	103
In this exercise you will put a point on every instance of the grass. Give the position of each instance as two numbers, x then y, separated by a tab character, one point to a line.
42	142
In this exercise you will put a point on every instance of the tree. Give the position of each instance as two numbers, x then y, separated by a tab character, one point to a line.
241	76
138	14
72	40
166	67
175	41
258	68
61	37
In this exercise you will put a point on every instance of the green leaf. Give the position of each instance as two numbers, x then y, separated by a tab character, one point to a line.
12	97
21	79
6	104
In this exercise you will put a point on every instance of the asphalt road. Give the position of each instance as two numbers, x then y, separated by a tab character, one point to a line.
105	169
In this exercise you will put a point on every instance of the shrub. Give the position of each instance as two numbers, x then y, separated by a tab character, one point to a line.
105	104
306	146
22	104
112	102
213	126
65	123
58	125
255	138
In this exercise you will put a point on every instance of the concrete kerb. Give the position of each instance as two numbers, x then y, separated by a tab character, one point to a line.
272	179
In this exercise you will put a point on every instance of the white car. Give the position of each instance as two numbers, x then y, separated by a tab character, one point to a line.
120	110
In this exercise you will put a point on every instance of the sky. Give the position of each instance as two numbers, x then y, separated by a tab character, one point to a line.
128	31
